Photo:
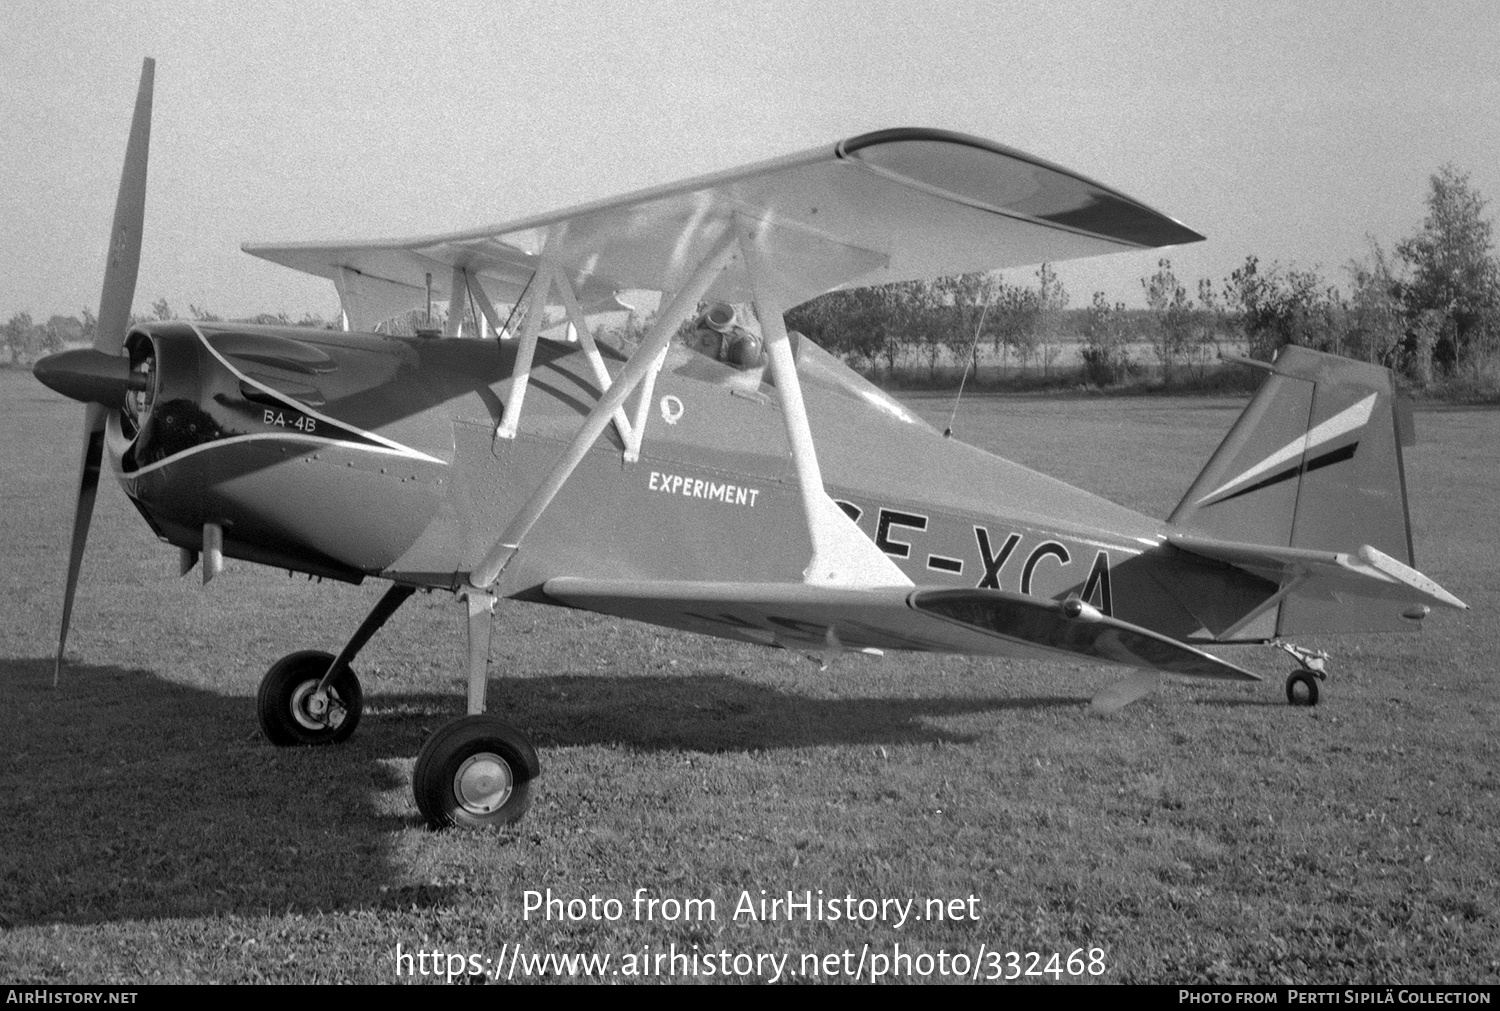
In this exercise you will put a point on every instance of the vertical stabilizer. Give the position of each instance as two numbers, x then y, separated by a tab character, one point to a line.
1314	462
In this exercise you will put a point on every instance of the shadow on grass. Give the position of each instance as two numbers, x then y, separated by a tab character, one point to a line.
125	796
711	712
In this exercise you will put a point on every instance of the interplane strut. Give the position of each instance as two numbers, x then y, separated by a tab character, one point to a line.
841	554
643	363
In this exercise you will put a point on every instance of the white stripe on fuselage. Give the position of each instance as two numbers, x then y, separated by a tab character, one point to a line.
390	444
313	440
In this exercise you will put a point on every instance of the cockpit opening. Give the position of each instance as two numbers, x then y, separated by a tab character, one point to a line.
723	333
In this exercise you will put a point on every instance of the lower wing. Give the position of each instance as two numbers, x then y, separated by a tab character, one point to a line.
979	622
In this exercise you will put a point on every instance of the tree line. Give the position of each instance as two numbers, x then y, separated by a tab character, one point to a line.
23	339
1429	308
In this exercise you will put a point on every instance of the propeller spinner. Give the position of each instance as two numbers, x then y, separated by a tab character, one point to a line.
101	377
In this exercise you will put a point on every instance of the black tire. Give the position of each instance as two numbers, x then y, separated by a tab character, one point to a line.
282	703
1302	688
474	772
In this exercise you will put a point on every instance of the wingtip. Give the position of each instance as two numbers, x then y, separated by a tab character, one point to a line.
1400	572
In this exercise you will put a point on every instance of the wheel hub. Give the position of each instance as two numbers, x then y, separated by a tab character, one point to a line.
483	783
316	710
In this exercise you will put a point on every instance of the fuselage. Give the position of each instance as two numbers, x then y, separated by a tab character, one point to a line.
353	455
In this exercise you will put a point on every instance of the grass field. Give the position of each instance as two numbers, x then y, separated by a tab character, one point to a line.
1208	833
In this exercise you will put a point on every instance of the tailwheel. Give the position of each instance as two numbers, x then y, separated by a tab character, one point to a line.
475	771
1302	688
293	711
1302	684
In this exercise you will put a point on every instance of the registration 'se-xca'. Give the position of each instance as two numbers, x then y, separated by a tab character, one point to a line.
681	484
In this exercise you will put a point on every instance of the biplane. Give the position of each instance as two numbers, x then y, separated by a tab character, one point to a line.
724	476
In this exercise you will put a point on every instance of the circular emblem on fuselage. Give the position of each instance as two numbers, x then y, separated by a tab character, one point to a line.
671	409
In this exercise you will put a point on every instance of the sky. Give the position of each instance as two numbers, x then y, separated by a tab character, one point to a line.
1294	132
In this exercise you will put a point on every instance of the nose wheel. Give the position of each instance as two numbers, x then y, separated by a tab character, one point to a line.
293	711
474	772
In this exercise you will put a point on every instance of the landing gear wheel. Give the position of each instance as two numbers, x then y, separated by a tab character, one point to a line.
1302	688
293	711
475	771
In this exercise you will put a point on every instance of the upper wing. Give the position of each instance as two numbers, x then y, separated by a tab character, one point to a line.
888	206
983	622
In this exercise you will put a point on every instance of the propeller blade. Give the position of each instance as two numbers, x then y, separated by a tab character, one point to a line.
120	269
88	489
124	260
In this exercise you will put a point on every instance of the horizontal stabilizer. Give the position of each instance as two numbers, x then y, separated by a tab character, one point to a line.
976	622
1368	572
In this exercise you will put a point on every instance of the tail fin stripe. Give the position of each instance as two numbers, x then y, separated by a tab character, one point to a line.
1317	463
1345	421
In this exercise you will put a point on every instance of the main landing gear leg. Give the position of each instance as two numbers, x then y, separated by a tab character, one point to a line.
1302	683
313	698
477	770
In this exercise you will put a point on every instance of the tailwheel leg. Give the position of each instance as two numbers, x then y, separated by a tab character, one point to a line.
312	697
1302	683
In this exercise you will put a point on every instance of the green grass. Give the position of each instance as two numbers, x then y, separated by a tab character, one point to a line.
1208	833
